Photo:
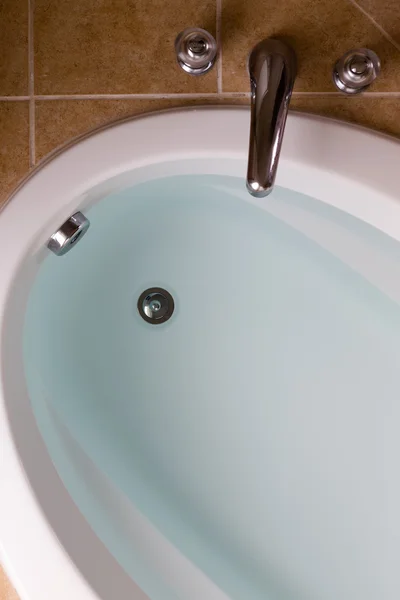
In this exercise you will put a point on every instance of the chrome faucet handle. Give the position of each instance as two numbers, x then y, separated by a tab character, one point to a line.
356	70
196	50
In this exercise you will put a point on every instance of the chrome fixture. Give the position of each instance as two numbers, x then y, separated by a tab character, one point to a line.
69	233
196	50
156	305
272	69
356	70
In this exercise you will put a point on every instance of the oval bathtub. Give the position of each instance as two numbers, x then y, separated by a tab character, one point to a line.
245	448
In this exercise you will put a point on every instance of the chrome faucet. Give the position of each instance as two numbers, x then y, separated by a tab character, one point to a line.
272	69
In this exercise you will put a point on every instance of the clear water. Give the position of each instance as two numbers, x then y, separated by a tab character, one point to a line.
251	429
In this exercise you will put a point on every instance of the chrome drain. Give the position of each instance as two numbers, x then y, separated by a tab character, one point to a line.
156	305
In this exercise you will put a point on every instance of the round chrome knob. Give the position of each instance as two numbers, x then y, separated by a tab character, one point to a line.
359	65
196	50
69	233
356	70
156	305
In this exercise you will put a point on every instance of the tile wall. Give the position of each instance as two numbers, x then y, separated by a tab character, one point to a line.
67	67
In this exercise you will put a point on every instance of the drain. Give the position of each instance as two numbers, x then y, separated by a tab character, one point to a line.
156	305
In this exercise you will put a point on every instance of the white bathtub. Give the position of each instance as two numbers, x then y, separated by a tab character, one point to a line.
324	523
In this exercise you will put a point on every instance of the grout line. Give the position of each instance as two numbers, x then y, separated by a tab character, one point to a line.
32	133
381	94
346	96
31	60
219	46
198	96
142	96
306	94
383	32
14	98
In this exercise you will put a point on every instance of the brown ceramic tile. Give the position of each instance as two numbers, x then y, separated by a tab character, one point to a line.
116	46
14	148
59	121
319	30
7	592
13	47
381	114
386	13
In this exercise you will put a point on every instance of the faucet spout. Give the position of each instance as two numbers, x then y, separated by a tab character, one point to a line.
272	69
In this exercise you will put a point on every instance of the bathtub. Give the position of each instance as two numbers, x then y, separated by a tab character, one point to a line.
246	448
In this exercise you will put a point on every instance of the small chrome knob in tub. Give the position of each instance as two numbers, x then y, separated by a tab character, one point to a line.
196	50
69	233
156	305
356	70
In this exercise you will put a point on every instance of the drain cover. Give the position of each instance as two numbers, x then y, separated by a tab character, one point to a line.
156	305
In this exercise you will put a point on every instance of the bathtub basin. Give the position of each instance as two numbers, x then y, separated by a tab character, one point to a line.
247	447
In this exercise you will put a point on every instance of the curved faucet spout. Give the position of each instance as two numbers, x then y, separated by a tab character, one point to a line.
272	69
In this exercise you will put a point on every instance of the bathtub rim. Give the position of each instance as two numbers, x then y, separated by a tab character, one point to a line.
349	157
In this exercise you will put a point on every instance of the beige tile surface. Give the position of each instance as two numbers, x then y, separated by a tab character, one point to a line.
14	147
116	46
319	30
386	13
7	591
13	47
